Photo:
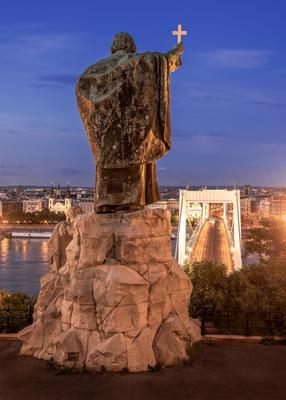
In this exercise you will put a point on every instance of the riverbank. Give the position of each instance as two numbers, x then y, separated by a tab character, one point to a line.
33	227
30	235
6	229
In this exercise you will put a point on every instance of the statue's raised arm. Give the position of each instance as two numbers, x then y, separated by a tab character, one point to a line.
124	104
174	57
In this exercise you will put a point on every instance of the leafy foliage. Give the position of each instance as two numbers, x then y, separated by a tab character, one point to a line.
17	301
209	281
268	241
255	294
174	217
16	311
40	217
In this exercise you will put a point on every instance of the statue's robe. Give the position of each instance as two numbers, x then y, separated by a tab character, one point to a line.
124	104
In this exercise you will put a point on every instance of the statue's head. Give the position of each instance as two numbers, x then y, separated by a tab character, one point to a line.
124	42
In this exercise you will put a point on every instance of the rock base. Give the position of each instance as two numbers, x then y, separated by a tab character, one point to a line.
119	302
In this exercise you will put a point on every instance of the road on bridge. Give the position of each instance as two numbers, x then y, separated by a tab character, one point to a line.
213	244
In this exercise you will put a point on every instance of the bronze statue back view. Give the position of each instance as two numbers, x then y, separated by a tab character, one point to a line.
124	104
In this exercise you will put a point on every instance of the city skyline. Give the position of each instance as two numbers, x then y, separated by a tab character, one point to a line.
227	101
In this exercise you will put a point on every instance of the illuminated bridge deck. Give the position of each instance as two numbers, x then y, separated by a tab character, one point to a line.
213	244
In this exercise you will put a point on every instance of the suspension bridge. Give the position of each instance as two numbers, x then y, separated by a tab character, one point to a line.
209	227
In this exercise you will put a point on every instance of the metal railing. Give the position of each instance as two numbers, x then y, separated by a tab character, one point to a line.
13	320
218	322
196	233
244	323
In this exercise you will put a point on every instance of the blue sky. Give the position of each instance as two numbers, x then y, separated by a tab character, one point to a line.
228	101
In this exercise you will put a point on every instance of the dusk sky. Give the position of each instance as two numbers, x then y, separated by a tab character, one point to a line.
228	101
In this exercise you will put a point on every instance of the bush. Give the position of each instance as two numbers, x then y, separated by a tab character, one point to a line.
251	300
16	311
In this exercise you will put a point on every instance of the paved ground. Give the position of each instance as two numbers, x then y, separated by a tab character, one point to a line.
239	371
213	243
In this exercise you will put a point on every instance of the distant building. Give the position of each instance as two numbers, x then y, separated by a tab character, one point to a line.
158	205
278	206
247	190
245	205
263	208
87	205
33	205
10	206
168	204
173	204
58	205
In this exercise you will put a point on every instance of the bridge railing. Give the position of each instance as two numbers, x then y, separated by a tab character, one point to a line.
231	243
195	235
244	323
229	234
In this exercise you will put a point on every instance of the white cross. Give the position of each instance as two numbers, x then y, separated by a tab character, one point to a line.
179	33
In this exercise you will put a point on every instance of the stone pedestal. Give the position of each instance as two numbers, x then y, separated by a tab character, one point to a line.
119	302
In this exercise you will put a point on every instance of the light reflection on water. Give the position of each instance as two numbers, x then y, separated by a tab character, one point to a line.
22	263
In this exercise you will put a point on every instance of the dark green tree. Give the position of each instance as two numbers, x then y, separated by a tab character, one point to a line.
209	281
40	217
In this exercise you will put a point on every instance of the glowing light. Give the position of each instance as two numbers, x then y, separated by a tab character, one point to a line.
24	249
4	251
44	249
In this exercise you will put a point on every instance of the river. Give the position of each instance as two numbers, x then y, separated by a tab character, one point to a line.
22	263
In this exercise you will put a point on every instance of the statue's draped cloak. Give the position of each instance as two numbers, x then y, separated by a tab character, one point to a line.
124	104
